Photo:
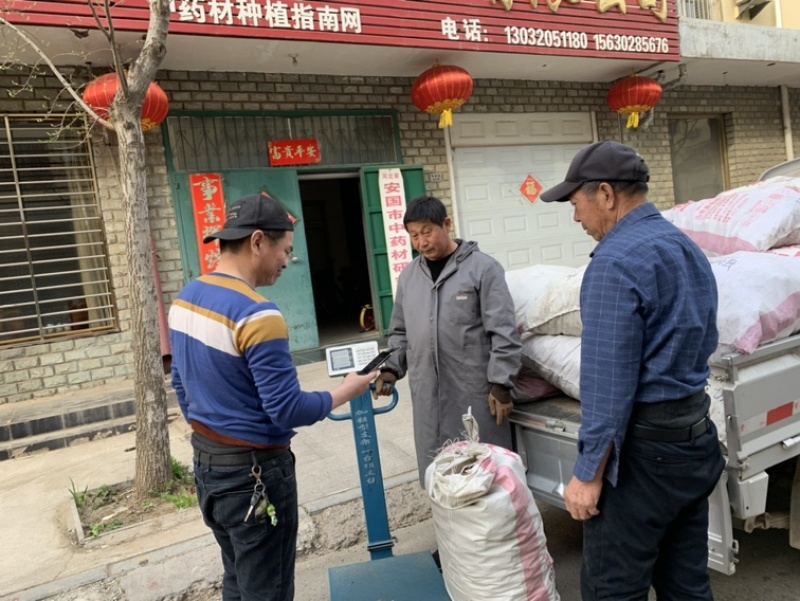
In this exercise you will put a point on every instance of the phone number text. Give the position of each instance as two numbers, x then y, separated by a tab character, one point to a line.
550	38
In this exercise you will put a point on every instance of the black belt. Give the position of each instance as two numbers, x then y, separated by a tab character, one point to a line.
233	459
671	434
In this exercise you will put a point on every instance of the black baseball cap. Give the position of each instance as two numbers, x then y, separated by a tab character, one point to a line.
252	213
602	161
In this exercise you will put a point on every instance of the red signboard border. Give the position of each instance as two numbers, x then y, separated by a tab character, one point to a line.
403	23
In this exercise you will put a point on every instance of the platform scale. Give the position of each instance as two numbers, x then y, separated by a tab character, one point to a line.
413	577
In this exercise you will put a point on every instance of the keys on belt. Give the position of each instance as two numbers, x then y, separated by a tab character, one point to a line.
671	434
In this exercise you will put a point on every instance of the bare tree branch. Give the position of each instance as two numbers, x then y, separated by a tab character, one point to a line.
144	67
57	73
97	20
110	35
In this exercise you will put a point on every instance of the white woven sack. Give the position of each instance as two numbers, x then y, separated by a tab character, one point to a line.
556	359
759	300
751	218
559	311
529	285
489	531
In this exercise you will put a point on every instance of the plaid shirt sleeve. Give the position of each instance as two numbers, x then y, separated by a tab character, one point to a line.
611	356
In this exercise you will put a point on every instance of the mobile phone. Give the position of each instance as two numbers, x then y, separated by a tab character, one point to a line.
379	360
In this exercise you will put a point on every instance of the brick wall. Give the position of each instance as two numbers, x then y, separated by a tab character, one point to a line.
754	137
752	115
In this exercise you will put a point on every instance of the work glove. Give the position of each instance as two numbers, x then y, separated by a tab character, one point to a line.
384	384
500	404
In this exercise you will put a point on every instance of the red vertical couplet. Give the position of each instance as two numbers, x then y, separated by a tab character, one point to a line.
208	207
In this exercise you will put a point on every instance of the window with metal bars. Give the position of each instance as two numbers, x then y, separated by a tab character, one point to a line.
54	273
209	143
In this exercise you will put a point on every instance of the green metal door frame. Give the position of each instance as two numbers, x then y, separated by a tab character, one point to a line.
183	213
292	293
413	178
414	186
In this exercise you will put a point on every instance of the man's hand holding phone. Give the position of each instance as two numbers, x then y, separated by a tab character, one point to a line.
379	360
353	386
357	383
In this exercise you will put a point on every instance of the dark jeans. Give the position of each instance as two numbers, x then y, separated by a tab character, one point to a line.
652	527
258	558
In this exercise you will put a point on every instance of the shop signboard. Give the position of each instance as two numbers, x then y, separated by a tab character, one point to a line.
630	29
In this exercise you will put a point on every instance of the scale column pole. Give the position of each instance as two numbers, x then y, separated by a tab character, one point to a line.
379	538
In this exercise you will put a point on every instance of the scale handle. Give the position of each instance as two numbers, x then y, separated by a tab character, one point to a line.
375	410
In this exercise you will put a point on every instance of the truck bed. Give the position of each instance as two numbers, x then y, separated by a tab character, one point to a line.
756	398
755	404
545	436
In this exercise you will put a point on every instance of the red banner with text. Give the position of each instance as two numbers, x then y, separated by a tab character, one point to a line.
284	153
208	207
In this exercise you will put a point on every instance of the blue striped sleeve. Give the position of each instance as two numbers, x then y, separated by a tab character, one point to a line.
611	356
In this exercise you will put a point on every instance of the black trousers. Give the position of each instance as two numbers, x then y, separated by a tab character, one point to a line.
653	526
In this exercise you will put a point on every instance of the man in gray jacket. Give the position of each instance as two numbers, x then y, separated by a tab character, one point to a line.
453	329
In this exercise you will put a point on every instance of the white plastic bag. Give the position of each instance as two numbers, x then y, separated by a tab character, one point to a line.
489	531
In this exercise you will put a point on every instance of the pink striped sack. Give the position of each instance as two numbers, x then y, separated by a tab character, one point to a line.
752	218
489	531
759	300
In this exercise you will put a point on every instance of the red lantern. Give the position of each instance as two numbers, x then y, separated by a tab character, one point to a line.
634	95
442	89
100	93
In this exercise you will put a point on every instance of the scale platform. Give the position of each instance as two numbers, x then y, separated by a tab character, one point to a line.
405	578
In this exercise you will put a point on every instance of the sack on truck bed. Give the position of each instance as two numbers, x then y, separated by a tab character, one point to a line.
759	300
752	218
489	531
529	285
559	311
557	359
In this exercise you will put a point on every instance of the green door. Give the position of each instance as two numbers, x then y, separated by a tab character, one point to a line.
292	292
414	186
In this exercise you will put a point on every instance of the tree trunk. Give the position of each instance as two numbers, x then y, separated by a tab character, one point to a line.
153	470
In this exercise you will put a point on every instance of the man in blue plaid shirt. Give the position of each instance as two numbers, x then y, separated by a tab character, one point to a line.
648	455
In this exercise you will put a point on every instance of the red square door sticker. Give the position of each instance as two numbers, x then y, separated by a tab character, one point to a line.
531	189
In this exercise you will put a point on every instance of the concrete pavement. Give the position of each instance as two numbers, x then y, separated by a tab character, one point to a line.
40	557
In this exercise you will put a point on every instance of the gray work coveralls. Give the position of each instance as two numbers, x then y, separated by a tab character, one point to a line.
456	338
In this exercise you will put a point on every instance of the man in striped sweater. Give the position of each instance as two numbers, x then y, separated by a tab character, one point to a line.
238	388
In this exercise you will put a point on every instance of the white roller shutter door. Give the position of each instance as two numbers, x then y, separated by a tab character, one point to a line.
493	155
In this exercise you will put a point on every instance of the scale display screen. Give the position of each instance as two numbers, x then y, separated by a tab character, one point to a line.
343	359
